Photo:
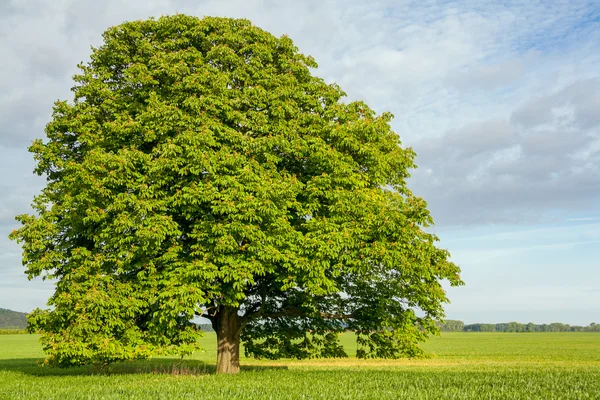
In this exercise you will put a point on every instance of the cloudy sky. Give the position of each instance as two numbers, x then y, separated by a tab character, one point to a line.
500	100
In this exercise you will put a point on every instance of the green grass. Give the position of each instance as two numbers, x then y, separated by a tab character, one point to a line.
466	366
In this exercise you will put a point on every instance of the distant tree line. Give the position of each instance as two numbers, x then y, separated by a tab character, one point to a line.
12	331
459	326
451	325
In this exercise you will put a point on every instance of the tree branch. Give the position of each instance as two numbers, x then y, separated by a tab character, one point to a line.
208	316
336	316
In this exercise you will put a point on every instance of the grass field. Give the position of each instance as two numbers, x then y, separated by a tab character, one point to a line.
466	366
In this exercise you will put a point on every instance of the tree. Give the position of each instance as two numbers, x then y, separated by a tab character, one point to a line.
201	170
450	325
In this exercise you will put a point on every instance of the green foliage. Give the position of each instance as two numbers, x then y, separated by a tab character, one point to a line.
450	325
12	319
202	166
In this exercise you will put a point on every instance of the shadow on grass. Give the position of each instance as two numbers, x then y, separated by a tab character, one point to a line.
162	366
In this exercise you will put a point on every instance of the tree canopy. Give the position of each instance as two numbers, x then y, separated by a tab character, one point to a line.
202	170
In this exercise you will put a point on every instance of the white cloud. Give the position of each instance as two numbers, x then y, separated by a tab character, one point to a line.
539	161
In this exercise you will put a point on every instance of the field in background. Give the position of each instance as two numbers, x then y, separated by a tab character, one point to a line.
466	366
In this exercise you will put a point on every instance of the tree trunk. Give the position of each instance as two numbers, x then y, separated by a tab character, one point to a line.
227	326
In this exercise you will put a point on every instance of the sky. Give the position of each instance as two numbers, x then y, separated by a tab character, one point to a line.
500	101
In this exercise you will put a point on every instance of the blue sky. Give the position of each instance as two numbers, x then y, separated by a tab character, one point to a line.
500	100
538	273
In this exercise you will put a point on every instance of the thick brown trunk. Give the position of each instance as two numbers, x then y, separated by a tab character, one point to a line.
228	340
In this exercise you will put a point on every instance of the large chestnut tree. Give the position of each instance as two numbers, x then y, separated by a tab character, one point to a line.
202	170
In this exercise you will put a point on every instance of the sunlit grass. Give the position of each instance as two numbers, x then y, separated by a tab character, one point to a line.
466	365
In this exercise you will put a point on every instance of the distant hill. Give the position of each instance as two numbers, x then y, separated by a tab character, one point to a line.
12	319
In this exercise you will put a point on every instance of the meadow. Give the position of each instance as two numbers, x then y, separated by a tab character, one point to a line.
465	366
